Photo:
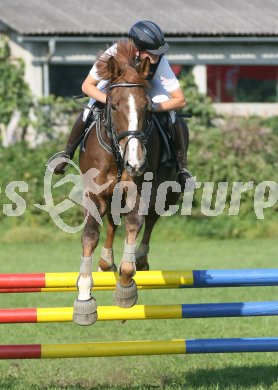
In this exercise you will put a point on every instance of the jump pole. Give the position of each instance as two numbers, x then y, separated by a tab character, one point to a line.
143	312
71	289
101	279
182	279
135	348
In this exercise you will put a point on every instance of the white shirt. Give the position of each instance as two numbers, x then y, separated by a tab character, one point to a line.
164	74
163	83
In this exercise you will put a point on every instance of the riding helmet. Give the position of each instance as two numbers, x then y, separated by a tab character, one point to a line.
148	36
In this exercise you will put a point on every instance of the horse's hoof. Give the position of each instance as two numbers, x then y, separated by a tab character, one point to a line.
142	266
125	296
113	268
85	312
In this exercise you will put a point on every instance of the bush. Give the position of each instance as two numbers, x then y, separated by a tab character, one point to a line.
24	164
238	151
54	116
14	92
198	105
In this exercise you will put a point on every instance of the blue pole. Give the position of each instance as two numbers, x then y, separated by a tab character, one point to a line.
235	278
232	345
233	309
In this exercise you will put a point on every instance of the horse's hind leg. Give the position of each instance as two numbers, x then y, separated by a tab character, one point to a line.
144	247
85	307
106	262
125	294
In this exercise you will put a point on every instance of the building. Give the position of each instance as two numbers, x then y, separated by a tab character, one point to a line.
232	46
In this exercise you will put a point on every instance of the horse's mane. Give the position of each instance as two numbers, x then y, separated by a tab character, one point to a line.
125	56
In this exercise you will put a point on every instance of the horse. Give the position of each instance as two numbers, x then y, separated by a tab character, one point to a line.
126	149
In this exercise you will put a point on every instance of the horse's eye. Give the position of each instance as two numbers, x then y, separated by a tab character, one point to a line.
113	107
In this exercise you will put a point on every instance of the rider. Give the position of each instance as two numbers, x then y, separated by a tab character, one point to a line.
165	92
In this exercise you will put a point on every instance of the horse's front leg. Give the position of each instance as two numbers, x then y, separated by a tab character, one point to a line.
125	294
106	262
85	307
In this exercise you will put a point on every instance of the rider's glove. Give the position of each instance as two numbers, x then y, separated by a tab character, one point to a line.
151	106
98	106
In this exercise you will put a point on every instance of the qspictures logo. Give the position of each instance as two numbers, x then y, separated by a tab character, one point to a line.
82	185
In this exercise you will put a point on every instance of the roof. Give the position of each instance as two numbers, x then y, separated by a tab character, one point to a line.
114	17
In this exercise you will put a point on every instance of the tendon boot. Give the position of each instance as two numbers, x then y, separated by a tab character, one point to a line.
180	143
57	163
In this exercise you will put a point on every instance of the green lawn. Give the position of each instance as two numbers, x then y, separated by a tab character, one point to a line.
223	371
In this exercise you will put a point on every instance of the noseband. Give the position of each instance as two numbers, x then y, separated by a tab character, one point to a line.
116	138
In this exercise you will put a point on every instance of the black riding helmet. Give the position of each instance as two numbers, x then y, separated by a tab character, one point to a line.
147	35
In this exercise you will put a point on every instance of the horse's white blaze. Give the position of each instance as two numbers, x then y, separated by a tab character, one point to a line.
133	125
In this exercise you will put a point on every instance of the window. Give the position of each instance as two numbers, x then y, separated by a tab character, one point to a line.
66	80
242	83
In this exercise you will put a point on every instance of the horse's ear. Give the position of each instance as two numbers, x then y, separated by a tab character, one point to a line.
113	68
145	67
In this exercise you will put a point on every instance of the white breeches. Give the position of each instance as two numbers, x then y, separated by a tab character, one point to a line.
156	92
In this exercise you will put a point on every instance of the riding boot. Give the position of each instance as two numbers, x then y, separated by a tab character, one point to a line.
180	143
76	136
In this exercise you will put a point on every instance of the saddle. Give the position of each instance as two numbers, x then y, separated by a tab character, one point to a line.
165	129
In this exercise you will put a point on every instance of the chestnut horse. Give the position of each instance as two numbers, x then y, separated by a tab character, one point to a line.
122	146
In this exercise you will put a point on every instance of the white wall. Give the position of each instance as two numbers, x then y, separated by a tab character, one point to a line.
246	109
224	53
33	72
200	76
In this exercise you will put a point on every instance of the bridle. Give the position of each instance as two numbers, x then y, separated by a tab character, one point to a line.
115	138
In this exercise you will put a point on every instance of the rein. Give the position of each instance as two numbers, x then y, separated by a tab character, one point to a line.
116	138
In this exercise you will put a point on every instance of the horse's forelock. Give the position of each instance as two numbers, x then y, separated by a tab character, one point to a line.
125	56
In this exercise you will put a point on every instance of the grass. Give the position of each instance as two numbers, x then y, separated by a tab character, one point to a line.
222	371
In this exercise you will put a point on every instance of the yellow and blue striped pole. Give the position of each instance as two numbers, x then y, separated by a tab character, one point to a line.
106	280
135	348
143	312
146	279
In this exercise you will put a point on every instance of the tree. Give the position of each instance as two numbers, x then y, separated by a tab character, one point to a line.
15	96
199	106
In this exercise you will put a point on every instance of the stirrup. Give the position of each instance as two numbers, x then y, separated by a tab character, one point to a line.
186	180
63	154
185	172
